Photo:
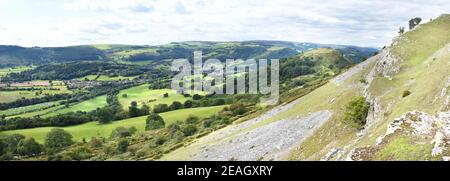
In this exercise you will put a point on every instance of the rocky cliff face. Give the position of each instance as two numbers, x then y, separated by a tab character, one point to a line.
389	63
416	127
420	129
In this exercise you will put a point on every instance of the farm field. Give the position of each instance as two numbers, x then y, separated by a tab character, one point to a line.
40	89
5	71
93	129
28	109
42	112
10	96
105	78
88	105
141	94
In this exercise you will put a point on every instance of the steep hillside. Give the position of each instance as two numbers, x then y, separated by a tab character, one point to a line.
406	87
409	75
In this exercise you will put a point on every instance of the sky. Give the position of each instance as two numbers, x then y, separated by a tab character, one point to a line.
152	22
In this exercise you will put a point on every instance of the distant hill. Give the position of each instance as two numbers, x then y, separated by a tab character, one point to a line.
319	62
16	55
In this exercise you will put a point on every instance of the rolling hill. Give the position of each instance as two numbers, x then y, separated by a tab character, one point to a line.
16	55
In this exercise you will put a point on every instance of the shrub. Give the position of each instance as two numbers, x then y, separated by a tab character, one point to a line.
356	112
159	108
177	135
145	110
132	130
208	123
58	138
158	141
105	115
238	109
204	103
6	156
2	147
196	97
154	121
29	147
176	105
95	142
218	102
189	129
80	153
191	119
133	110
11	142
188	104
122	146
363	80
120	132
406	93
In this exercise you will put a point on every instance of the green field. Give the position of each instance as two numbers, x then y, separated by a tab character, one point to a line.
9	96
88	105
39	112
105	78
28	109
6	71
141	94
108	46
93	129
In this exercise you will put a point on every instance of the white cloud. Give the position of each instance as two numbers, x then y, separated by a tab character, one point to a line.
358	22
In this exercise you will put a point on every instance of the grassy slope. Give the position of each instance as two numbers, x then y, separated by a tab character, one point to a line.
416	46
141	94
28	109
93	129
332	133
404	148
88	105
422	73
40	112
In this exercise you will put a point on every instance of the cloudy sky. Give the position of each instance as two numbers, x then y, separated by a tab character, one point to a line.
150	22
